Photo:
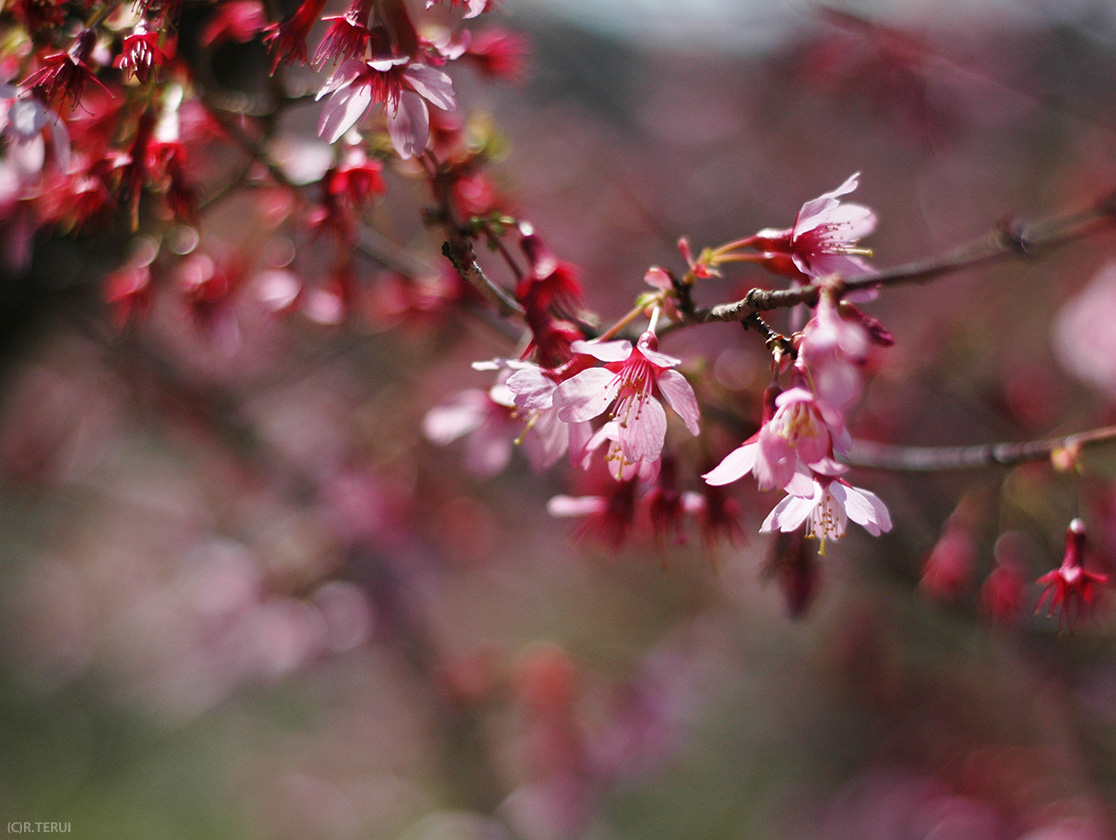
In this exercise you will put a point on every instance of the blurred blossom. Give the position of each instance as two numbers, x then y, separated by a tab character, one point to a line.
1084	341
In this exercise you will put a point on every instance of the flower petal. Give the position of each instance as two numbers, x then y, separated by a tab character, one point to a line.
343	111
409	125
735	465
606	351
586	395
680	396
433	85
643	436
788	515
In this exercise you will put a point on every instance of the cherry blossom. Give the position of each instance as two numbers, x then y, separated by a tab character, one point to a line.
825	238
827	511
629	382
402	87
799	436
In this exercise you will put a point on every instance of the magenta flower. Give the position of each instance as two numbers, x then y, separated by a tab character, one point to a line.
403	89
629	382
140	51
1070	589
827	511
800	437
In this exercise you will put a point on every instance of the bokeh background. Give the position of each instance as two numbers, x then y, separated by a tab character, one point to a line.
242	596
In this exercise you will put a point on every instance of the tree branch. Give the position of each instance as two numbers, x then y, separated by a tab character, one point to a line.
883	456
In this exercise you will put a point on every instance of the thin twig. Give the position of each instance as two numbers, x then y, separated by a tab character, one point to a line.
884	456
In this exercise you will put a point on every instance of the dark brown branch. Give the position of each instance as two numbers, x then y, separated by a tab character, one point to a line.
883	456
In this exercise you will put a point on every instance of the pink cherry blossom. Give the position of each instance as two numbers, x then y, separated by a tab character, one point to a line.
825	239
799	437
402	87
628	382
827	232
827	511
833	350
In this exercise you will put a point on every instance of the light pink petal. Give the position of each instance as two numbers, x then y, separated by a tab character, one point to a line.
546	441
462	413
606	351
680	396
788	515
343	111
576	505
660	359
475	7
383	63
658	278
813	212
801	483
825	265
581	434
433	85
735	465
409	125
643	436
775	462
586	395
533	389
857	221
865	508
347	73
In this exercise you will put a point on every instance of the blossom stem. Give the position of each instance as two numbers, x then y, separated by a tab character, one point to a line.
634	313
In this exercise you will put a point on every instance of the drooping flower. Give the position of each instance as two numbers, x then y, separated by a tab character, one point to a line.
287	40
1071	590
404	88
348	34
631	382
63	76
834	350
140	52
827	511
